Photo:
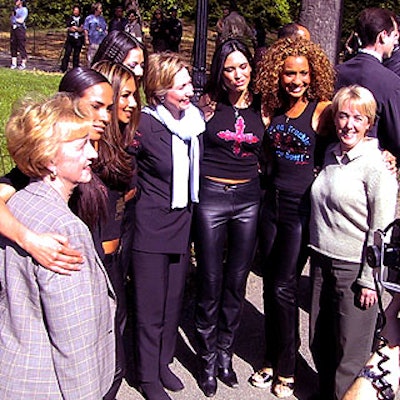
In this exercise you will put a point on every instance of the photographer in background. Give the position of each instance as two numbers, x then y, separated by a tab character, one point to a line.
18	34
74	41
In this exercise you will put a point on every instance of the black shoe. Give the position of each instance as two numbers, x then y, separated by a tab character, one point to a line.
169	380
153	391
228	376
208	385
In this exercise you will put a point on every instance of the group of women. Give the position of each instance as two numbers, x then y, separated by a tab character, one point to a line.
156	172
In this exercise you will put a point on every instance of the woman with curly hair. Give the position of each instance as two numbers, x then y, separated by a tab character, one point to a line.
295	79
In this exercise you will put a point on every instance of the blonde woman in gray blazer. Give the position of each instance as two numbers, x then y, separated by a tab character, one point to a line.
56	331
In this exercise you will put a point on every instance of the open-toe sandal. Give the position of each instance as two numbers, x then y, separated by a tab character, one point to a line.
262	378
282	388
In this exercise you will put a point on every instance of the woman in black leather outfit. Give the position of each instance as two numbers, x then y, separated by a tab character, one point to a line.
228	209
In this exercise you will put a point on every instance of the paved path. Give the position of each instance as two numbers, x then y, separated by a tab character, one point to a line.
249	350
34	63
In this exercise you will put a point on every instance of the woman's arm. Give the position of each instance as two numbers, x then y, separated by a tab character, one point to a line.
50	250
381	191
207	106
390	160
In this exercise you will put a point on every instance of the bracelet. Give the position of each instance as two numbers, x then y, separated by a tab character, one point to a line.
378	381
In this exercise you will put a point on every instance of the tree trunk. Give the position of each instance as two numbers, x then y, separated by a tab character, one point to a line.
323	18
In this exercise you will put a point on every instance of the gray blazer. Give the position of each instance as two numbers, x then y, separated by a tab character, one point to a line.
56	332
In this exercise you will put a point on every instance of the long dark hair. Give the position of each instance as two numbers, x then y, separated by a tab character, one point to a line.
215	86
116	46
89	201
114	164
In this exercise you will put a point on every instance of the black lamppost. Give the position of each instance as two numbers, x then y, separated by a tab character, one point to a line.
200	49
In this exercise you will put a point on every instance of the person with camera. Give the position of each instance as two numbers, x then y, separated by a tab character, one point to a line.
18	34
74	42
353	196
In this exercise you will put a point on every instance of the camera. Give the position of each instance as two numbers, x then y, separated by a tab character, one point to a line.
384	256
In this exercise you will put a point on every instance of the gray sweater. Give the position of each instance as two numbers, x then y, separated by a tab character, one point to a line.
353	196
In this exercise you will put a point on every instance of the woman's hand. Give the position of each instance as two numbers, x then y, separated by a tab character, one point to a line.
390	161
207	106
368	297
52	252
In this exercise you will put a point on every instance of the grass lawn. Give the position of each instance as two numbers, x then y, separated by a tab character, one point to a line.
16	85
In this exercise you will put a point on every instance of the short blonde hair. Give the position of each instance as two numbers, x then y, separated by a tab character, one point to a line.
35	131
161	72
359	97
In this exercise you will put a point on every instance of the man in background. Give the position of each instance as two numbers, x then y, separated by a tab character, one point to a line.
378	32
119	22
74	41
393	62
294	30
95	29
174	30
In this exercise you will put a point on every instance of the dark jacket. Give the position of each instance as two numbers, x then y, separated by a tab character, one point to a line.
393	62
366	70
157	228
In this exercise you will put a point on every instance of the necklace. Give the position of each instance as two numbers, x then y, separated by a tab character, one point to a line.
242	104
296	111
236	111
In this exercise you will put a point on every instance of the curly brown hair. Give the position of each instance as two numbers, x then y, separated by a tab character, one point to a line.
270	68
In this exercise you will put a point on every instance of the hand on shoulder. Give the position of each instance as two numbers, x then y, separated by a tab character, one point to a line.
207	106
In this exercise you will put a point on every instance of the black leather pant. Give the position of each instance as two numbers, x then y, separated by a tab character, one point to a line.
283	250
226	215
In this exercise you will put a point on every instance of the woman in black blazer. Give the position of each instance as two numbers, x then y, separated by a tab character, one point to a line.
166	146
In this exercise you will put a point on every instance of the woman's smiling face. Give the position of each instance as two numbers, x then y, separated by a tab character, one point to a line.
351	125
126	102
295	78
177	98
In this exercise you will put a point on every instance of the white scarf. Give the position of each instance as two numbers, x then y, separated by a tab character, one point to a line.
185	151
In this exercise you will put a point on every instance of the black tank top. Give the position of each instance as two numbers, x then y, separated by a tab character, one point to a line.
292	144
232	142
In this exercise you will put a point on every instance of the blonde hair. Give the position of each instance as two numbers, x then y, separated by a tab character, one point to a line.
359	97
36	129
161	72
